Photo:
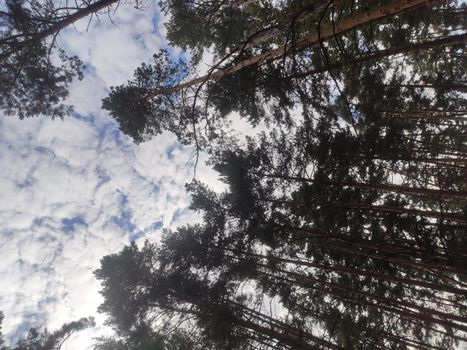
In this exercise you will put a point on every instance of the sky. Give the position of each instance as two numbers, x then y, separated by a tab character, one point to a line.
76	189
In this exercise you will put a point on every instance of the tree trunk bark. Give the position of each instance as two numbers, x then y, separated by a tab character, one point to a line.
269	33
451	40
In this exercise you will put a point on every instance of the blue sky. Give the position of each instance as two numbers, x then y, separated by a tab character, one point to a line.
74	190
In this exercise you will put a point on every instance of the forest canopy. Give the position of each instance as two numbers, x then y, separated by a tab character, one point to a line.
343	223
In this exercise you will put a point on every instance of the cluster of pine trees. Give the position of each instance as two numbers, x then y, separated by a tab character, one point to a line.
344	222
344	225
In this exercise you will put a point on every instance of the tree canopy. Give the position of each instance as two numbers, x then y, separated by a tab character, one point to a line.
35	72
312	60
36	340
343	223
343	226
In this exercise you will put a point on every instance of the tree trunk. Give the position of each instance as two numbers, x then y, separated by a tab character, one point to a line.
397	307
299	334
379	299
413	48
271	32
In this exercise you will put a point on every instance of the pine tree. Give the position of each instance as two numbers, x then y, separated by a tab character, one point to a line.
348	218
45	340
31	84
264	83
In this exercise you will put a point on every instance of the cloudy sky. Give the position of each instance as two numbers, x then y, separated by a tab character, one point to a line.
74	190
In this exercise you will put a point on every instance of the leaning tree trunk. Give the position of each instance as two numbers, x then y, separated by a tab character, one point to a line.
271	32
406	49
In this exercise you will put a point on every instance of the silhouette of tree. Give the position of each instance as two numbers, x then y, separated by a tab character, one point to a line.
45	340
35	72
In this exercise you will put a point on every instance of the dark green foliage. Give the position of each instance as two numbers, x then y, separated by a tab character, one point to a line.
198	26
36	340
34	86
137	114
148	341
35	72
303	81
343	225
32	83
347	278
256	94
